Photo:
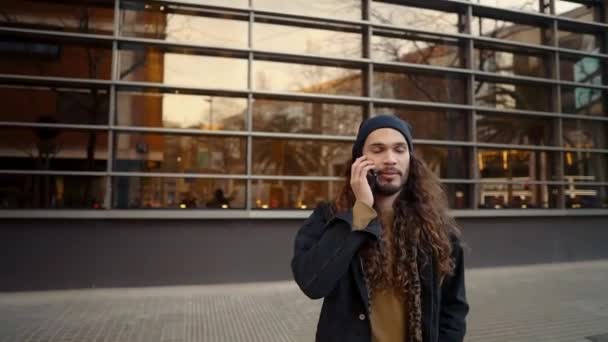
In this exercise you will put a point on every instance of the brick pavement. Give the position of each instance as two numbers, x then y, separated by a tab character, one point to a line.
559	302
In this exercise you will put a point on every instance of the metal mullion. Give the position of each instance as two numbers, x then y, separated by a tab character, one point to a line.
590	150
178	131
16	124
545	48
423	104
308	23
470	64
539	114
79	82
193	10
249	166
177	175
302	17
110	155
176	89
112	108
54	172
168	45
240	134
345	99
603	55
215	176
517	182
237	10
444	142
519	147
414	30
399	66
557	103
75	36
542	81
368	85
582	85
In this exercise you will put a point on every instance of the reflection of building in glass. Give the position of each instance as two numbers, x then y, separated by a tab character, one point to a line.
189	100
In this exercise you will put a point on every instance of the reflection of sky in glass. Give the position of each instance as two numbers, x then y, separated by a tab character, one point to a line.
582	69
342	9
412	17
293	39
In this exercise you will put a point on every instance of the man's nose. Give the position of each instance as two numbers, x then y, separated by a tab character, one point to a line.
390	158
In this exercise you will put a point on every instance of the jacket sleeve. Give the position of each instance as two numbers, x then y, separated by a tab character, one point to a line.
454	307
323	251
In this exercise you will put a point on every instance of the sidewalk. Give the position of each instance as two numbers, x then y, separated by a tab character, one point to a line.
560	302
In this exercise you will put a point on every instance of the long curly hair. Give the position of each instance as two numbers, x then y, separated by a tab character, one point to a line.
421	222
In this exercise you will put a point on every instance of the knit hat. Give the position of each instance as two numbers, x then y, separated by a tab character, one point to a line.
381	121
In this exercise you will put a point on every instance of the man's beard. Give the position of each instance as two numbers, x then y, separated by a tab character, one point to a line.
388	189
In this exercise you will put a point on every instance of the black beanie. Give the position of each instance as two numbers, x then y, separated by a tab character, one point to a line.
381	121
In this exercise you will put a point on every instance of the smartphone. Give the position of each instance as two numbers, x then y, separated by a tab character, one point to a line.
372	180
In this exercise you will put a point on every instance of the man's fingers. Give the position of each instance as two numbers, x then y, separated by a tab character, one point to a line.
365	169
360	169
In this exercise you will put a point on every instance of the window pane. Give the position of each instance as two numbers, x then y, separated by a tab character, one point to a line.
585	134
302	40
182	25
53	149
153	109
416	48
522	165
180	153
82	16
420	18
517	196
306	78
515	129
432	124
459	195
580	69
522	96
583	101
406	85
51	192
306	117
585	166
178	193
508	30
340	9
53	57
280	194
150	64
580	41
300	157
445	162
519	5
578	11
579	196
506	62
54	105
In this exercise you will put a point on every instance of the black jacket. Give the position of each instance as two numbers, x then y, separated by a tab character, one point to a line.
326	264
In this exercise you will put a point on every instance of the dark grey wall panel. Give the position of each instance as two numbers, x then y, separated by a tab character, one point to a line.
55	254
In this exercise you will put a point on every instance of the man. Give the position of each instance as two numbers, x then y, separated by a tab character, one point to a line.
387	261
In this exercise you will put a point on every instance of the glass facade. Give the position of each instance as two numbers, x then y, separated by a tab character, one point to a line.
252	105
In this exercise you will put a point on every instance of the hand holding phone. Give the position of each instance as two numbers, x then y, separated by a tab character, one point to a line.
363	180
372	180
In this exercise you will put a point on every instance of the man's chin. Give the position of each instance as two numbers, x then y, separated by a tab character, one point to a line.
387	189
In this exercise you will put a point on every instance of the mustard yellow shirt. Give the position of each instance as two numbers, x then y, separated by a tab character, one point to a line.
388	310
